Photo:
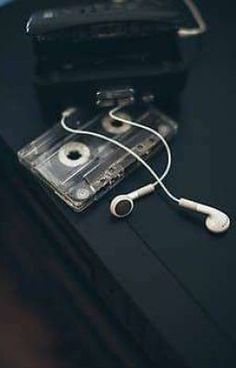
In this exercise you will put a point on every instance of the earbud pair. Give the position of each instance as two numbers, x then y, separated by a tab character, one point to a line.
216	221
123	205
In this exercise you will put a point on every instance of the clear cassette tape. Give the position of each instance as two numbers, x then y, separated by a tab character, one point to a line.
81	169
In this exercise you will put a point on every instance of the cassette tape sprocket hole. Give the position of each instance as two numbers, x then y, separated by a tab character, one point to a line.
115	126
74	154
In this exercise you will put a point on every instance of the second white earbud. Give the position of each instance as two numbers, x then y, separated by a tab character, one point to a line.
216	221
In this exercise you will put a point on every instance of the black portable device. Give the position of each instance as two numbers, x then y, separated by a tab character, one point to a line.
83	49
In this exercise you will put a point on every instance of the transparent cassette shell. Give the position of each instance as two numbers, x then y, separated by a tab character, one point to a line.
82	169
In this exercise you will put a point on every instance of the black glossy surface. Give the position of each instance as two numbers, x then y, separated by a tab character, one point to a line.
181	277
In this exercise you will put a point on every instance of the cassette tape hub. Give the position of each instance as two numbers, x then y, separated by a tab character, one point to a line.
82	169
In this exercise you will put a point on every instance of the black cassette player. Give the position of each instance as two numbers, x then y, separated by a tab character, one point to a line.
82	49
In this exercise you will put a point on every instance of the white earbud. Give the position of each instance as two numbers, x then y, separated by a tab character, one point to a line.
123	205
216	221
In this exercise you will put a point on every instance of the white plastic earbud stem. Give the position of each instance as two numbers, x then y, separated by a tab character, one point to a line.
142	192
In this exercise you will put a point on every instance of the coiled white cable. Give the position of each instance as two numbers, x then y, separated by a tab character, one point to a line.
68	113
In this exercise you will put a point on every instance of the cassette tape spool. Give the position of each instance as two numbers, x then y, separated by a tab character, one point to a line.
81	169
114	126
74	154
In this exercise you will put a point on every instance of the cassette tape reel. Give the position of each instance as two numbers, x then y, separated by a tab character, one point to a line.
74	154
116	127
81	169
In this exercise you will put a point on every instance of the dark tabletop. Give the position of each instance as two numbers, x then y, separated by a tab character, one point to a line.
181	275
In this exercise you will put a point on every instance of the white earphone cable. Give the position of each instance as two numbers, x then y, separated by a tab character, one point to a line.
202	27
148	129
110	140
66	114
153	131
